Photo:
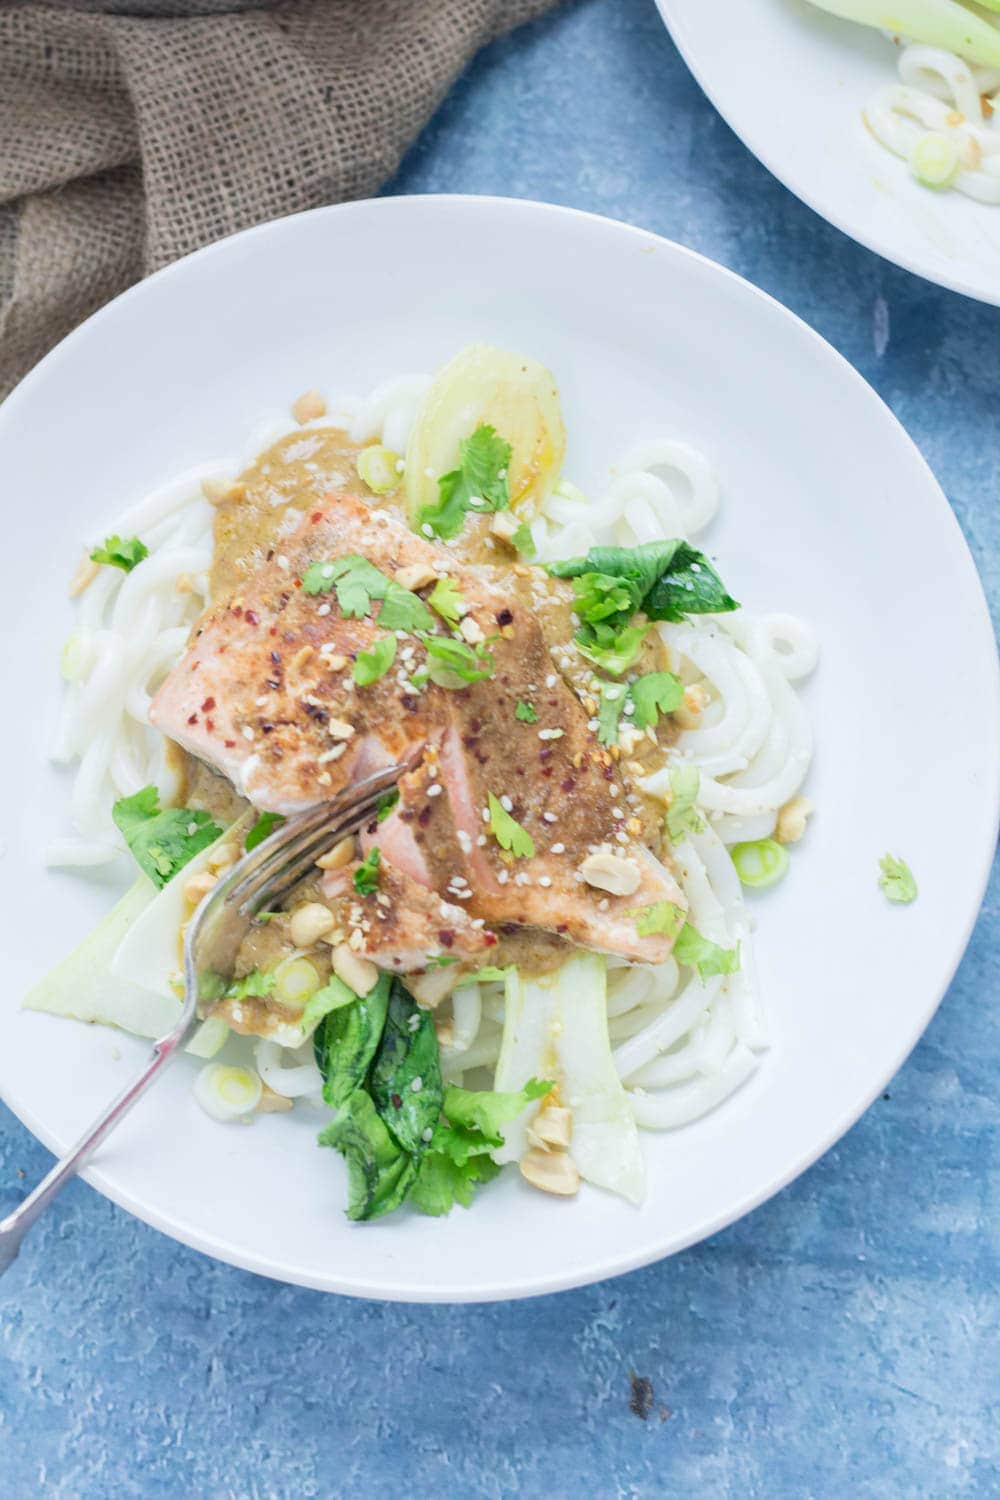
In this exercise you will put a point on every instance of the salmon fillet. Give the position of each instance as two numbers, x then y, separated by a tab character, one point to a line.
404	923
265	694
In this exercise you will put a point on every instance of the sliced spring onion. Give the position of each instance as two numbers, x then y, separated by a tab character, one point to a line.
75	657
295	981
379	469
934	160
227	1093
761	863
209	1039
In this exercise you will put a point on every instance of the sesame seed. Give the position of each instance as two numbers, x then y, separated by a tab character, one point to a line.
417	1084
427	530
558	849
427	1134
486	815
545	880
248	733
506	803
549	818
622	838
551	680
481	840
435	789
464	841
617	812
551	734
503	876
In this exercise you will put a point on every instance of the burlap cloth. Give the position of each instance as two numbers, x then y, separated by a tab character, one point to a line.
131	133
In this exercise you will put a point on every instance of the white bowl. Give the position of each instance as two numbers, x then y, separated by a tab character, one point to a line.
828	511
792	81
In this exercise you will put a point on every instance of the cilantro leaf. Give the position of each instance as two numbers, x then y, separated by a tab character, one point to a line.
459	1155
478	484
525	712
360	585
162	842
446	599
508	832
524	541
385	804
373	664
453	663
707	957
682	815
265	824
613	699
485	1110
256	985
120	552
653	694
442	1181
663	917
612	650
366	874
897	879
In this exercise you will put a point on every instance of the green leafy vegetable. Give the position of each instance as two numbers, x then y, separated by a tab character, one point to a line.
613	698
707	957
385	804
347	1039
441	961
453	663
162	842
334	994
366	875
486	1110
508	832
265	824
373	664
667	580
487	975
524	541
662	918
459	1155
897	879
442	1181
446	600
682	815
653	694
405	1080
525	712
379	1172
120	552
478	484
360	585
256	985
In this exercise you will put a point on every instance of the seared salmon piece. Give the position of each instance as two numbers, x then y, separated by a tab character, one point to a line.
265	693
402	923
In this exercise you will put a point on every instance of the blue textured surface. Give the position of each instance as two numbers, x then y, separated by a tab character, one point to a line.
842	1340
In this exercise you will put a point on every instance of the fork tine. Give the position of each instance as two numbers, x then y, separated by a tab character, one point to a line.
301	861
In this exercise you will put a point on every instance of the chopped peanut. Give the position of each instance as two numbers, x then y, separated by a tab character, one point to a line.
551	1171
308	406
791	824
197	886
431	988
610	872
339	729
340	855
271	1103
504	525
552	1127
359	974
310	922
300	658
695	701
222	491
471	632
416	576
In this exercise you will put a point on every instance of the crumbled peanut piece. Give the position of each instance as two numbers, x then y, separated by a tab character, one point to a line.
334	663
222	491
340	855
359	974
504	525
308	406
552	1127
271	1103
550	1171
471	632
197	886
310	922
431	988
791	824
692	706
300	658
339	729
610	872
415	576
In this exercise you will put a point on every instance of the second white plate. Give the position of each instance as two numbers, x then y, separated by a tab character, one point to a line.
792	82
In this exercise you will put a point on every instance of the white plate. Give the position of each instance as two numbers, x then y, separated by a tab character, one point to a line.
792	82
828	511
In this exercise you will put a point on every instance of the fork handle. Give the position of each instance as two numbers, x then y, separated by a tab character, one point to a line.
14	1227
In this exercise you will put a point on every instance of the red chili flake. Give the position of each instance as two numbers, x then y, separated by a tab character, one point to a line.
193	719
446	937
544	755
229	744
298	583
208	705
273	630
425	816
504	617
547	770
567	785
490	939
562	927
476	725
317	515
270	554
271	683
608	772
210	725
276	658
237	610
408	702
252	617
397	1102
266	728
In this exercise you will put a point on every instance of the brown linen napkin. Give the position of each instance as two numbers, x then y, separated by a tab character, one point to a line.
133	131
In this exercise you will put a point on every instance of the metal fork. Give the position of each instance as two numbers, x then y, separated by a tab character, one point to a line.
257	882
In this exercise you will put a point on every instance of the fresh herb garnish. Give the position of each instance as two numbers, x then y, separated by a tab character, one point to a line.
683	816
453	663
441	960
366	874
162	842
373	664
667	580
385	804
647	697
459	1154
256	985
896	879
663	917
507	830
446	600
524	541
612	706
525	712
265	824
120	552
478	484
360	585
